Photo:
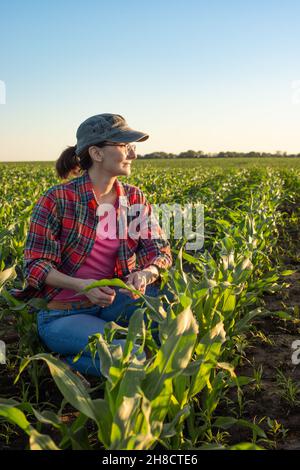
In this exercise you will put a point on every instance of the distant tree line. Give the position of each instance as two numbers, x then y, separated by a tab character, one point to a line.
200	154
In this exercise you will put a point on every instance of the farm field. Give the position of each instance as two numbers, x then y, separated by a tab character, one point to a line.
226	372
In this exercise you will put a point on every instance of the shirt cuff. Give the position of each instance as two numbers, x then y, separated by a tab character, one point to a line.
161	262
38	270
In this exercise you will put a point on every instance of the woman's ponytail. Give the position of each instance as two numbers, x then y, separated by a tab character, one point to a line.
67	162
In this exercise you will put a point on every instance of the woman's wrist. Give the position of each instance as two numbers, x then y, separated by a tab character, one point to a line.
79	284
152	273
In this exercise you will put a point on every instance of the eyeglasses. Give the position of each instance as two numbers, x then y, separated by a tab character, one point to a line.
129	147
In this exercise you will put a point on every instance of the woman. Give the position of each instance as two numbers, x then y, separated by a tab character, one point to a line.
68	244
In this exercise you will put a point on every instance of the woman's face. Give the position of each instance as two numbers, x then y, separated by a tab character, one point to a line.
117	159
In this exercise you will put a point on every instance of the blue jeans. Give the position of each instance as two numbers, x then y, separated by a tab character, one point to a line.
66	331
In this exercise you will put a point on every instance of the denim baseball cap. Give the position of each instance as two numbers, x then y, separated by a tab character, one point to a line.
101	127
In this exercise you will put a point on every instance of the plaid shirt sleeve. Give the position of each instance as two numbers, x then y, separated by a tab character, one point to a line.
153	248
42	247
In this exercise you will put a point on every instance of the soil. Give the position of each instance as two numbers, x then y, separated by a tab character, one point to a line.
277	355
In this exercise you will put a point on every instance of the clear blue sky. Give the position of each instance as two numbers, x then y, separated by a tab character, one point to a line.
203	75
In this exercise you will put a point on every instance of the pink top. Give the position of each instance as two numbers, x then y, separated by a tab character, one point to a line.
100	264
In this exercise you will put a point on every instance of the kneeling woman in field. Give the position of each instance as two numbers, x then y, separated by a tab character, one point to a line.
68	245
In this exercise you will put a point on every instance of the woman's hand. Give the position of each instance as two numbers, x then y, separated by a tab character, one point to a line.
102	296
140	279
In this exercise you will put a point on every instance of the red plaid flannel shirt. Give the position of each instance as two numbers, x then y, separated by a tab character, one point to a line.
62	232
